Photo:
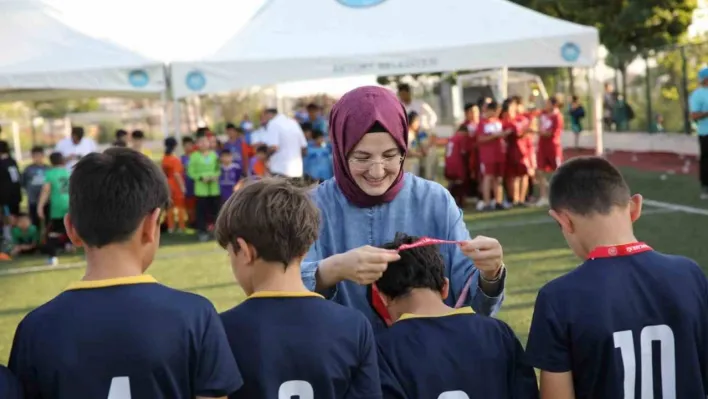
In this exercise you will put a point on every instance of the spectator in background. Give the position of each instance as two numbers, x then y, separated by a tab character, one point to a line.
76	146
10	190
56	193
314	116
121	138
190	202
174	171
577	113
318	160
204	169
25	236
307	131
288	144
412	162
137	139
428	121
259	162
238	147
608	105
33	181
229	176
698	104
247	127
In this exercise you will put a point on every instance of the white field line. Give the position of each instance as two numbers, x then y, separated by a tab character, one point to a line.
677	207
662	208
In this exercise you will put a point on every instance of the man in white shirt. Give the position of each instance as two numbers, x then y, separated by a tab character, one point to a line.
287	143
75	146
428	120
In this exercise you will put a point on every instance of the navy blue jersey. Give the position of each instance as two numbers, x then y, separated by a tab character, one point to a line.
9	385
300	345
457	356
631	326
123	338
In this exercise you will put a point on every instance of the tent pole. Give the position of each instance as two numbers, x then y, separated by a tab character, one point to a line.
163	108
597	109
176	118
504	83
16	141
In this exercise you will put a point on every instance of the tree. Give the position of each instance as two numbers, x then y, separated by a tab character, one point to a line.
59	108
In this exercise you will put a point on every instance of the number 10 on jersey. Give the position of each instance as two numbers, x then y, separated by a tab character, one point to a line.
624	341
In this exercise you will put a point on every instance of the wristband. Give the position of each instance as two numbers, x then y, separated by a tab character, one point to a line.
496	279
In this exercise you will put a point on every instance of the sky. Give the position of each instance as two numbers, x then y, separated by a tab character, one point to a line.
170	30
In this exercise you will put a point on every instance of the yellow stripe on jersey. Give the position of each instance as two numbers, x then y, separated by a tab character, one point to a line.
463	310
111	282
284	294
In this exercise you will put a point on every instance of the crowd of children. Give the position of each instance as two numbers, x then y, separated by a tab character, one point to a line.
128	336
41	229
500	151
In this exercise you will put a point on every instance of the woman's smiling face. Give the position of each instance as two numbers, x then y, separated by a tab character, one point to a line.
375	162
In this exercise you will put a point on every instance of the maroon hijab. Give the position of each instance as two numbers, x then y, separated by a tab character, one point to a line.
351	118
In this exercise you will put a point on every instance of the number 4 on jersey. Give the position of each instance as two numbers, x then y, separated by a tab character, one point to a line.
120	388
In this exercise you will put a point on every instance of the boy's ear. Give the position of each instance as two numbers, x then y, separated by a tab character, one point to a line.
635	207
563	220
445	292
248	251
151	226
71	232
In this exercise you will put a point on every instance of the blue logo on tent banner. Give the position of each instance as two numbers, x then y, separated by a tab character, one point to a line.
138	78
361	3
570	52
195	80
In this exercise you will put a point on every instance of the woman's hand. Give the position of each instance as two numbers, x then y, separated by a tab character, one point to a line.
365	265
486	253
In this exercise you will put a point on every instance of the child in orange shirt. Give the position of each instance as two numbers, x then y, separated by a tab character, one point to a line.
172	166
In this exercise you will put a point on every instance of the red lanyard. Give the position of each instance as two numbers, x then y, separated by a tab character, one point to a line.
423	241
619	250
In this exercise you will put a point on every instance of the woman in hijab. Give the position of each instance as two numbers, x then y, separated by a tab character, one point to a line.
371	198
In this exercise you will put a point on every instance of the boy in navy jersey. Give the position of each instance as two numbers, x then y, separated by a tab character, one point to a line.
118	333
434	351
627	323
289	342
9	386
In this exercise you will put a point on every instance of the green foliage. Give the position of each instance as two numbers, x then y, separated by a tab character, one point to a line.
59	108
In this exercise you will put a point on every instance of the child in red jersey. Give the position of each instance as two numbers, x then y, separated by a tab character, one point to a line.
517	163
471	123
491	141
550	152
456	165
529	142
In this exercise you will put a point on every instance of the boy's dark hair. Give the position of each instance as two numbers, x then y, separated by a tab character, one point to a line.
412	116
313	107
110	194
56	159
4	147
270	211
38	149
138	134
272	111
230	126
120	134
187	140
306	126
574	98
262	148
516	99
493	106
421	267
317	134
170	145
587	186
469	106
22	215
404	87
119	143
200	133
225	152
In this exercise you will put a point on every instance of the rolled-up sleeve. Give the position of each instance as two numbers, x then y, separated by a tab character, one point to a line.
308	271
461	269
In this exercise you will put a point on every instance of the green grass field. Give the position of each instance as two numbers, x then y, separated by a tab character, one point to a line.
535	253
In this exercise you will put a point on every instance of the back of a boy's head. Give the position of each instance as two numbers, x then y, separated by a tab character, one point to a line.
587	186
56	159
111	193
274	215
421	267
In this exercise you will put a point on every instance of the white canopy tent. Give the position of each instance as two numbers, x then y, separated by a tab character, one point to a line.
290	40
42	58
311	39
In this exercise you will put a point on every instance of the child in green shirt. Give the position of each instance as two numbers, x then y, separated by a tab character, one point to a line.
25	236
56	191
204	169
